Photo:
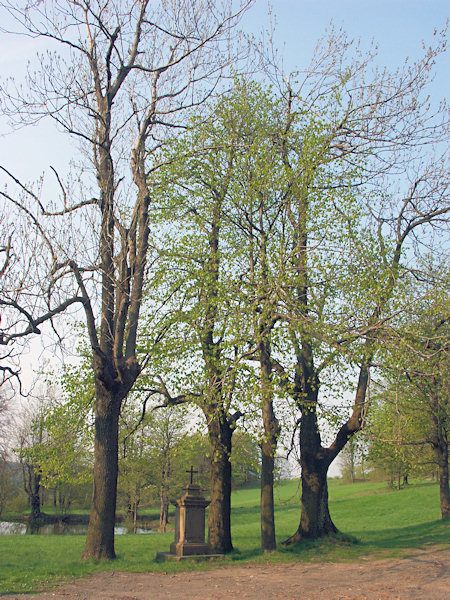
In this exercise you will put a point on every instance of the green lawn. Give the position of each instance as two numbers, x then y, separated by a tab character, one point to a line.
384	522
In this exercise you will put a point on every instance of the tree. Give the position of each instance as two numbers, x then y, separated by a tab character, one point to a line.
353	457
195	269
5	420
168	431
126	74
30	434
135	468
229	203
349	241
9	370
388	430
245	458
254	213
65	453
411	426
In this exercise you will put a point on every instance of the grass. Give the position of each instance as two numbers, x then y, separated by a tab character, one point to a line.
376	521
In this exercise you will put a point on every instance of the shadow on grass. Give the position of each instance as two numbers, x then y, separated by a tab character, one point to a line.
414	536
392	542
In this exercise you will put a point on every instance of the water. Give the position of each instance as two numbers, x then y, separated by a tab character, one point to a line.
7	528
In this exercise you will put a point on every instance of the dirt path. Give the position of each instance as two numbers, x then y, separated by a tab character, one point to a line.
424	576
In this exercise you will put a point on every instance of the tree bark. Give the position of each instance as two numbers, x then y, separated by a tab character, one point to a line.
315	519
219	518
444	491
32	486
35	501
163	514
268	451
268	539
163	493
100	536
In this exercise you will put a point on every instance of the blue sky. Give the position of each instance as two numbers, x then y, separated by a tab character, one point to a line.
398	26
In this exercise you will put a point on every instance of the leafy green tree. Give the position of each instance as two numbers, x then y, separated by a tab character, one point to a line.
135	467
196	268
64	453
389	431
254	212
30	435
245	459
411	424
353	458
349	240
167	434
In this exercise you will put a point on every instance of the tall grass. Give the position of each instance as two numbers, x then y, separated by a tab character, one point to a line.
384	522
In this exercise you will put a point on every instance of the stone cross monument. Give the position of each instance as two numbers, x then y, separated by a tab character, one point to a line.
189	525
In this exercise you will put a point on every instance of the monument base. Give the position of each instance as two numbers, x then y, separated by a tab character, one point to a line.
189	548
170	556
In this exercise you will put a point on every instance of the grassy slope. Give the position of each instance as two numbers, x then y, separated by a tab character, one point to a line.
387	522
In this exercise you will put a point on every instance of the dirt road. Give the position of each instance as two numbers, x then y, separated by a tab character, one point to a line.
424	575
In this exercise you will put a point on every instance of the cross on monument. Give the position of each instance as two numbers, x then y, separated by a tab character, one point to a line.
191	471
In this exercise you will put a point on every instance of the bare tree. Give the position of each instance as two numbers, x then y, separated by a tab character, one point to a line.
126	74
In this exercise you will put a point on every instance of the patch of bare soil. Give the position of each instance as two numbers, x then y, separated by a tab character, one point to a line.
424	576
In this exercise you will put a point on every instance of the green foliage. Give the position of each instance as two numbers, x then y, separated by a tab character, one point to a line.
63	449
353	459
390	433
410	420
245	459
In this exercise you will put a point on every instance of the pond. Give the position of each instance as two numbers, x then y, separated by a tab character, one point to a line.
59	528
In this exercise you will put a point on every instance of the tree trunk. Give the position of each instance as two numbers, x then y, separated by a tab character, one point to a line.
32	486
444	491
132	508
100	536
268	451
315	519
35	502
164	502
268	540
219	519
163	515
164	491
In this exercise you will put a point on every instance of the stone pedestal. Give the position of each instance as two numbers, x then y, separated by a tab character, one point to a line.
189	528
190	524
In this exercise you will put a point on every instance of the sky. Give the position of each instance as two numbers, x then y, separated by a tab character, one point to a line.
399	27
